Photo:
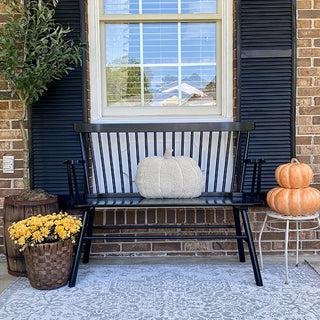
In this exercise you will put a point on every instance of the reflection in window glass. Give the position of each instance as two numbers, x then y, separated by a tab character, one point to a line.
161	64
121	6
198	6
159	6
198	42
122	43
198	85
160	43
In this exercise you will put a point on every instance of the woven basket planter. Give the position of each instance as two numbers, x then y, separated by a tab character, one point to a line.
48	265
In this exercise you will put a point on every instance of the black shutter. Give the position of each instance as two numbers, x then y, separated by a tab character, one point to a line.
266	80
53	139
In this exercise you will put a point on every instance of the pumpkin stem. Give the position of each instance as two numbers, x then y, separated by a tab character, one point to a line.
168	153
295	161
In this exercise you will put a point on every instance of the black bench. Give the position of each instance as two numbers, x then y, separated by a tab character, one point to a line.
111	153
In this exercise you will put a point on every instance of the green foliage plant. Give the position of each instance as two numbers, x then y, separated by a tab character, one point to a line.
34	52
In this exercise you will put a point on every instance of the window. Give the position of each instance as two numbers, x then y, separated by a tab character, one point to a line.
151	59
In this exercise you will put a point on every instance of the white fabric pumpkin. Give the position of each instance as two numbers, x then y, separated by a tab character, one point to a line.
169	177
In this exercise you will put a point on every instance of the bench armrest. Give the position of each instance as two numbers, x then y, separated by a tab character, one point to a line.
74	192
256	176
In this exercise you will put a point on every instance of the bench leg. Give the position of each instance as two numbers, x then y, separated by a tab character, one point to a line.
76	261
87	247
252	250
239	233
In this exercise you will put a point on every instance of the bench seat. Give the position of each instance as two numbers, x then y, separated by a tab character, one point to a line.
110	156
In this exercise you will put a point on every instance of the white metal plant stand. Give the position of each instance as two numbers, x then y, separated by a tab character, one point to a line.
287	219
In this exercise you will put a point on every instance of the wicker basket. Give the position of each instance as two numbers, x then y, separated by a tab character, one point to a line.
48	265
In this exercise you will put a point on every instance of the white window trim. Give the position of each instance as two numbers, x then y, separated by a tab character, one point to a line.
226	72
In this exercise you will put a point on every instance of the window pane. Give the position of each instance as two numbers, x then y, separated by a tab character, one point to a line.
198	85
160	79
160	43
198	6
123	86
198	42
174	66
159	6
122	43
120	6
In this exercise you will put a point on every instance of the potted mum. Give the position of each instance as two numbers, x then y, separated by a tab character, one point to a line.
34	52
47	243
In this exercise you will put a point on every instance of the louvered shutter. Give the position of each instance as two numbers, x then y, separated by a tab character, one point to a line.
266	80
53	138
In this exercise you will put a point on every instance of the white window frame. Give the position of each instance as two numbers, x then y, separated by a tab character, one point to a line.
224	71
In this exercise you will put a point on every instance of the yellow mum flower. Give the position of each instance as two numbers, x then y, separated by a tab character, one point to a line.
37	236
61	232
45	231
22	241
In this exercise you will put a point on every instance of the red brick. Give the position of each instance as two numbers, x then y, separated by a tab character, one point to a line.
309	14
10	134
303	102
304	43
303	140
135	247
4	125
313	91
308	71
304	4
109	217
310	245
225	245
4	105
105	247
308	149
200	216
151	215
119	216
161	215
304	24
304	62
197	246
316	4
304	82
166	246
303	120
18	184
309	110
141	216
171	215
181	215
190	213
316	120
131	216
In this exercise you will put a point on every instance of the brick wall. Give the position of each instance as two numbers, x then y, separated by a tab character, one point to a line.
308	150
308	85
10	143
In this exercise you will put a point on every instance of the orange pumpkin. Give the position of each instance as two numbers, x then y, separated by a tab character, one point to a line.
294	175
294	202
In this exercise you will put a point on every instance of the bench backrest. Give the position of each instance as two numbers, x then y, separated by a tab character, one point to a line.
111	152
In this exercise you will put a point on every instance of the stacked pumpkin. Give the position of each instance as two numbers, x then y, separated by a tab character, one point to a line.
294	197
